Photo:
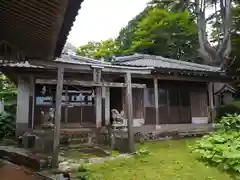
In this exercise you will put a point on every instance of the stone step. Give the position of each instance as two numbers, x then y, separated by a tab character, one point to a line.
74	141
25	158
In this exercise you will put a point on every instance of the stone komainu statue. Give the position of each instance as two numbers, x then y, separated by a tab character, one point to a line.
118	117
48	118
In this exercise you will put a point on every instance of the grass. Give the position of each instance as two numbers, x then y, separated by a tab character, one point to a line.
169	160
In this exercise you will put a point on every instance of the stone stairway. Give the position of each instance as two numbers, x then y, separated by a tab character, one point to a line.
72	137
69	138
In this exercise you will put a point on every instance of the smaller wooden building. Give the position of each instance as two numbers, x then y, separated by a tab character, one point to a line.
162	91
223	94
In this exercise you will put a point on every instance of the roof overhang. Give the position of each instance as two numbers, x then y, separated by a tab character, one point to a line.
226	88
36	29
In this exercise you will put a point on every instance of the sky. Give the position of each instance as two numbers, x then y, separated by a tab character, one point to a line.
103	19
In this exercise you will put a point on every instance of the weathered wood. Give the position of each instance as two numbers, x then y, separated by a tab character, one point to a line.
98	107
32	100
97	75
107	106
132	70
210	102
129	113
66	105
57	120
59	64
22	114
89	83
168	104
156	100
42	14
197	78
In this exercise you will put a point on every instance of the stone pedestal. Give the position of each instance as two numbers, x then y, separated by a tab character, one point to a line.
43	141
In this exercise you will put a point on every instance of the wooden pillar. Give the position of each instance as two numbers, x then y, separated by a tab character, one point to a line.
57	121
32	101
210	102
22	114
156	100
107	106
98	106
129	104
66	105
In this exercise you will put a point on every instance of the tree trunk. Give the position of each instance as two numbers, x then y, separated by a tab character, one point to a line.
207	51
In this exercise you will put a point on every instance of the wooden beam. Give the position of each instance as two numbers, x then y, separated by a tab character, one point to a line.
187	78
121	69
89	83
107	106
84	66
129	104
210	102
57	120
58	26
156	100
59	64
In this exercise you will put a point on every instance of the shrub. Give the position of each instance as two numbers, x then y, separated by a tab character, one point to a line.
230	122
7	125
228	109
222	148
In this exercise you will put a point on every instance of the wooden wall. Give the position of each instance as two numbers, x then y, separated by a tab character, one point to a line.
77	113
177	101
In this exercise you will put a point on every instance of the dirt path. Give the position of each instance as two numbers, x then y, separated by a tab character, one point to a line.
12	172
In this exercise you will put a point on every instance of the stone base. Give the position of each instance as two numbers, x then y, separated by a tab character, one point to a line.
21	128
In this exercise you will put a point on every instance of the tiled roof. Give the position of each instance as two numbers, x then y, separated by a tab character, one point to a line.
137	61
161	62
21	64
71	59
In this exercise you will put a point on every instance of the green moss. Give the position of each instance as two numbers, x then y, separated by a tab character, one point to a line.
167	160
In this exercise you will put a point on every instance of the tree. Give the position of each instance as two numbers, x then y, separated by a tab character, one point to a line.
98	50
214	54
219	53
176	6
89	50
161	32
235	36
126	35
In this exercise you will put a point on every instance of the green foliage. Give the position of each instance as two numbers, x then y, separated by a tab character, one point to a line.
166	33
222	148
104	49
8	94
82	168
232	108
7	125
143	152
230	122
156	31
169	160
126	35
